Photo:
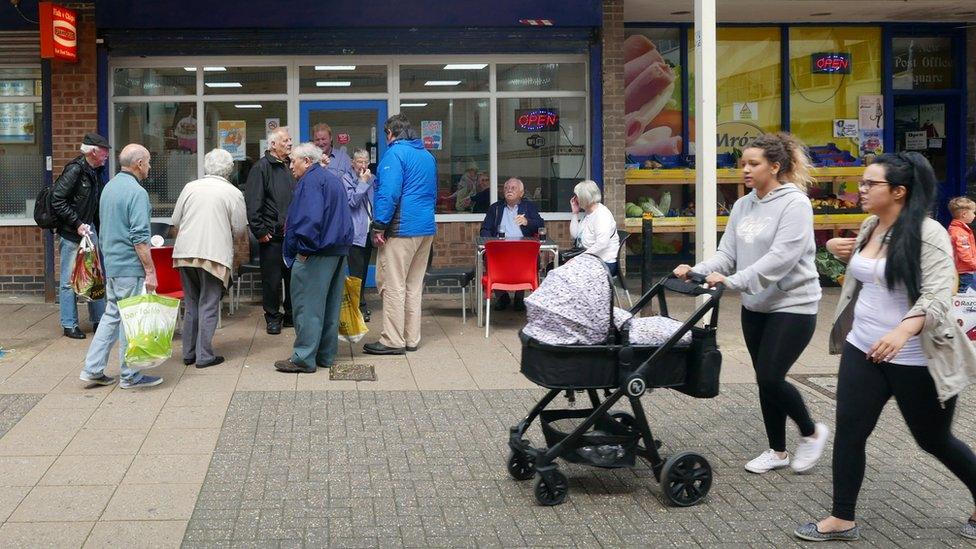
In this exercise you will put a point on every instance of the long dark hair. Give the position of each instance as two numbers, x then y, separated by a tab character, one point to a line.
912	171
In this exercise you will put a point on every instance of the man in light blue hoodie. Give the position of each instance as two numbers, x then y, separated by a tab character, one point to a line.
403	231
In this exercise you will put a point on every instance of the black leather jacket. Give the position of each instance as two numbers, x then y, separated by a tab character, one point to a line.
267	194
75	198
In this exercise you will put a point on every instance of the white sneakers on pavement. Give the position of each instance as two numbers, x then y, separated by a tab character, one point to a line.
767	461
810	448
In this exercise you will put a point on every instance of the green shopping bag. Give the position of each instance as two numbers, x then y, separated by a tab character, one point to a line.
149	321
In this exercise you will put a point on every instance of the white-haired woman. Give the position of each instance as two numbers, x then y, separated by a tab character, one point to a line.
209	214
596	233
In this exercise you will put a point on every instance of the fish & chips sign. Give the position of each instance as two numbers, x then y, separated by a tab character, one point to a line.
59	32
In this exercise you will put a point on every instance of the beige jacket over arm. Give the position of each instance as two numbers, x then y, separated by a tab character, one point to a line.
952	357
209	214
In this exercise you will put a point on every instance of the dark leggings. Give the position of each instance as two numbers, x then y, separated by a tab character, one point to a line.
863	388
775	341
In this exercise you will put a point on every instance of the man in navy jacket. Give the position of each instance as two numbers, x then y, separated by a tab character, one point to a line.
515	217
318	234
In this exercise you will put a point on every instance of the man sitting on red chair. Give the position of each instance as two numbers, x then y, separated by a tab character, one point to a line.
514	217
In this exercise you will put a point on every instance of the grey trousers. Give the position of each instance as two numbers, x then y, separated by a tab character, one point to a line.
201	301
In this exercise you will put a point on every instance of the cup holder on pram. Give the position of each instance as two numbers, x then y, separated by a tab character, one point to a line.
611	443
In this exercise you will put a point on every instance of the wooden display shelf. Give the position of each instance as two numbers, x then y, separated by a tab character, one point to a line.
685	176
821	222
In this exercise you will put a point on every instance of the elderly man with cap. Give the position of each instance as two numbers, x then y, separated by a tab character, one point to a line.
75	200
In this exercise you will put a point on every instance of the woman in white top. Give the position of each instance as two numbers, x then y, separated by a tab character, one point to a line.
596	233
901	341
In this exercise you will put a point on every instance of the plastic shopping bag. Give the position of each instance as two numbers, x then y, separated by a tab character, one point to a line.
149	321
87	277
352	327
964	307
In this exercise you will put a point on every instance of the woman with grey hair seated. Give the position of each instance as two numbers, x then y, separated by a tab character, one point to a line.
596	233
209	214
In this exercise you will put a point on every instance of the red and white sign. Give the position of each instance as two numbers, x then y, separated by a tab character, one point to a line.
343	138
59	32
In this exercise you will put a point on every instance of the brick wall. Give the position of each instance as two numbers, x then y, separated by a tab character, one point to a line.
21	260
612	37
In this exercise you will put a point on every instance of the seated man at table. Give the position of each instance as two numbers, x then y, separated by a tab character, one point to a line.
515	217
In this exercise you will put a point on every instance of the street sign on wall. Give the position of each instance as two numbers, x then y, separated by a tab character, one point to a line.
59	32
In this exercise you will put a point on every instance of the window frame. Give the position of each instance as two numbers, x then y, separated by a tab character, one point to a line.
28	218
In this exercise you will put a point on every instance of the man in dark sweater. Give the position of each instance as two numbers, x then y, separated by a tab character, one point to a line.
267	194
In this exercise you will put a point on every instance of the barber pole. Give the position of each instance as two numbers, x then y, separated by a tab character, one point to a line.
536	22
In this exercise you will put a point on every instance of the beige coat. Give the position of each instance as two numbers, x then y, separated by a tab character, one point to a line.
952	358
209	213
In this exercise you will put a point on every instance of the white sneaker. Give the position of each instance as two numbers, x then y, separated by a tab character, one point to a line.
809	450
767	461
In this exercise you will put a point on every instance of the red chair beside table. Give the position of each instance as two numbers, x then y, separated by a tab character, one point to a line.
512	265
168	281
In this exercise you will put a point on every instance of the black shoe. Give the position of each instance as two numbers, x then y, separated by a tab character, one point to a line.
101	380
380	349
411	349
288	321
519	305
189	361
74	333
289	367
274	327
216	360
366	316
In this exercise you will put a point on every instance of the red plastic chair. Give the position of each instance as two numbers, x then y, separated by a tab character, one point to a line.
511	265
168	281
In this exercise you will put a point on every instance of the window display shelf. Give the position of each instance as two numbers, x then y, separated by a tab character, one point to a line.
685	176
687	224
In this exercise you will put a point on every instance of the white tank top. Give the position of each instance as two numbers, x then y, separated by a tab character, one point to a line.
878	311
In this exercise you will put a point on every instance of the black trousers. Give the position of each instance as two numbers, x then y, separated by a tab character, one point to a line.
863	389
273	272
359	258
775	341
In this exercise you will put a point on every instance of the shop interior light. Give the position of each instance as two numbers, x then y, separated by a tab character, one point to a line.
465	66
249	106
206	69
402	105
333	84
442	82
224	85
335	67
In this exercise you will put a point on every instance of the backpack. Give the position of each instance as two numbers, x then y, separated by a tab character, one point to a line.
44	214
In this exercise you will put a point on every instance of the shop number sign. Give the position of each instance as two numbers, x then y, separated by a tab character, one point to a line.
831	63
59	32
536	120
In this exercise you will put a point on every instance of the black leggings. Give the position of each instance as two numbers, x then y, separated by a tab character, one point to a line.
775	341
863	388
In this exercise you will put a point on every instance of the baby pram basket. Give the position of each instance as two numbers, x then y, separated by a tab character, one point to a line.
600	437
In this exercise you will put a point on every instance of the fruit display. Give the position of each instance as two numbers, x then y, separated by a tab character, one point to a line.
832	204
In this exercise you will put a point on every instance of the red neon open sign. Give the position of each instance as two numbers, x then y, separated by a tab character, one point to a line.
831	63
536	120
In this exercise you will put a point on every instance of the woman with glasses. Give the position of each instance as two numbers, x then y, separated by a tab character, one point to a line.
897	335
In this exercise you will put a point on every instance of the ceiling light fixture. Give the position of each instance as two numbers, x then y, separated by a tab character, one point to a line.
224	85
403	105
465	66
206	69
335	67
333	84
249	106
442	82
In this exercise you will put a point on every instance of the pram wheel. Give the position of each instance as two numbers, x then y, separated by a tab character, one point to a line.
521	466
686	479
625	419
552	491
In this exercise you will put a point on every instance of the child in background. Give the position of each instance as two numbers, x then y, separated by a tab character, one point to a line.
963	211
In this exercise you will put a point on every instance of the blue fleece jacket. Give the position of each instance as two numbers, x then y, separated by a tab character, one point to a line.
318	220
406	192
124	213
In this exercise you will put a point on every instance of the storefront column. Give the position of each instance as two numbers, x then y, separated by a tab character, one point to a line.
706	128
614	190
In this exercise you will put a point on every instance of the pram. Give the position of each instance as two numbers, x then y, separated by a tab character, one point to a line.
613	439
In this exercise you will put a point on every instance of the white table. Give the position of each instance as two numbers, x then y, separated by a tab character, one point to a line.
479	269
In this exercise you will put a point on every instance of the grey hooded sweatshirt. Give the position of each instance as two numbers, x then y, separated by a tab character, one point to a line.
770	247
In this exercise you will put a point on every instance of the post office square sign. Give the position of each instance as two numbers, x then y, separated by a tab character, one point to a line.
59	32
831	63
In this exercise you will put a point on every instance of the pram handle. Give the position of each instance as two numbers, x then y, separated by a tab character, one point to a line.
692	285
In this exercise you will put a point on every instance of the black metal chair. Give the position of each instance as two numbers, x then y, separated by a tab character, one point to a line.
450	277
619	277
252	267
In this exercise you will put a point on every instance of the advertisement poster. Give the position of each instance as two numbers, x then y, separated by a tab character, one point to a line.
232	136
271	124
845	127
652	93
872	141
932	120
871	112
16	122
965	309
915	141
432	134
745	111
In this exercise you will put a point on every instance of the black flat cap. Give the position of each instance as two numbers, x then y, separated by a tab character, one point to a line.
96	140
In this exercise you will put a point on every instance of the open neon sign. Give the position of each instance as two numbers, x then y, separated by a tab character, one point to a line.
536	120
831	63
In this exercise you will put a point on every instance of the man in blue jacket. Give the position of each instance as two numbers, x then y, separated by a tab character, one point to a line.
318	234
403	230
514	217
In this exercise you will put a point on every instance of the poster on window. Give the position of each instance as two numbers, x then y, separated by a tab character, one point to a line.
871	112
845	127
915	141
232	136
932	120
964	305
432	134
16	123
652	94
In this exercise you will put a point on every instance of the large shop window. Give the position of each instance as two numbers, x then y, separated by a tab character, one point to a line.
219	80
543	142
21	158
831	70
652	93
239	127
749	87
169	131
342	78
449	77
461	150
155	81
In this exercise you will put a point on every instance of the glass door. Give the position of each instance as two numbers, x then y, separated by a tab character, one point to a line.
355	125
925	124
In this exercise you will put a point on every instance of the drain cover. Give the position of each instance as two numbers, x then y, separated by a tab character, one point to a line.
352	372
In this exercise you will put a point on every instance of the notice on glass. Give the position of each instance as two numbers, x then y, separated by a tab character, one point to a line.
916	141
745	111
271	124
870	112
432	134
16	122
232	136
872	141
846	127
